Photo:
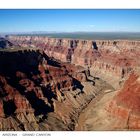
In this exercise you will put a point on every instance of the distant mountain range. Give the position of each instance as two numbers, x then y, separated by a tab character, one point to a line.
83	35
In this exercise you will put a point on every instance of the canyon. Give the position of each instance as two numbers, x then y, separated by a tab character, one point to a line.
69	84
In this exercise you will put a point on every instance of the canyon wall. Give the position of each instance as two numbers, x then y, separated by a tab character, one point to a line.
105	58
40	93
47	82
125	106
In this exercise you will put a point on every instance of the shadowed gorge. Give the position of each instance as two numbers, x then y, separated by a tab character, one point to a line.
35	87
9	108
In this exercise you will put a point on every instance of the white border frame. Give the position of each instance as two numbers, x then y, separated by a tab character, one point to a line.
57	4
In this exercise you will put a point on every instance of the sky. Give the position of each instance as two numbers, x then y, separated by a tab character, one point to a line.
69	20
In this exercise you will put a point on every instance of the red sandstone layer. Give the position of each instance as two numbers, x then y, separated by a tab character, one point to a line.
126	105
117	57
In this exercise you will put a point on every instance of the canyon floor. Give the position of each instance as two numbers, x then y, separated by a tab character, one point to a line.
94	116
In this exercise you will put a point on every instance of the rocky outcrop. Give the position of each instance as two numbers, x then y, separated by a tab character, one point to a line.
125	105
36	89
5	43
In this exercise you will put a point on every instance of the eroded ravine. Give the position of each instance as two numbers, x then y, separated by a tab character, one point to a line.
46	94
88	117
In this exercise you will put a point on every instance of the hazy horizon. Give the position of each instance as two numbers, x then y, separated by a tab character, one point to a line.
69	20
53	32
86	35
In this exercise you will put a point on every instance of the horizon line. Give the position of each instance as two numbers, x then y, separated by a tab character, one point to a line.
43	32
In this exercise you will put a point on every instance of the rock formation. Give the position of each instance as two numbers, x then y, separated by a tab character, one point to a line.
5	43
125	106
36	89
106	58
49	81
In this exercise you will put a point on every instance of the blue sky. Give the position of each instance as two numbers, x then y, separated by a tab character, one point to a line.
69	20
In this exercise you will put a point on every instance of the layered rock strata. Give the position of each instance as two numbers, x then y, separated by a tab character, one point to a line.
39	93
62	78
114	57
125	105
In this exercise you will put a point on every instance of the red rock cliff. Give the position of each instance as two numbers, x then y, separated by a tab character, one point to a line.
105	57
125	106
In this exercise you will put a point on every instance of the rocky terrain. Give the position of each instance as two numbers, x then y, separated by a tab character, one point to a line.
4	43
69	84
104	57
116	110
125	105
39	93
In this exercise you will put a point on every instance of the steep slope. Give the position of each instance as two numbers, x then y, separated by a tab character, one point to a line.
125	106
115	110
39	93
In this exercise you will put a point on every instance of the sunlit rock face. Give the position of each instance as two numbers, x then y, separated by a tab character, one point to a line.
105	58
125	106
